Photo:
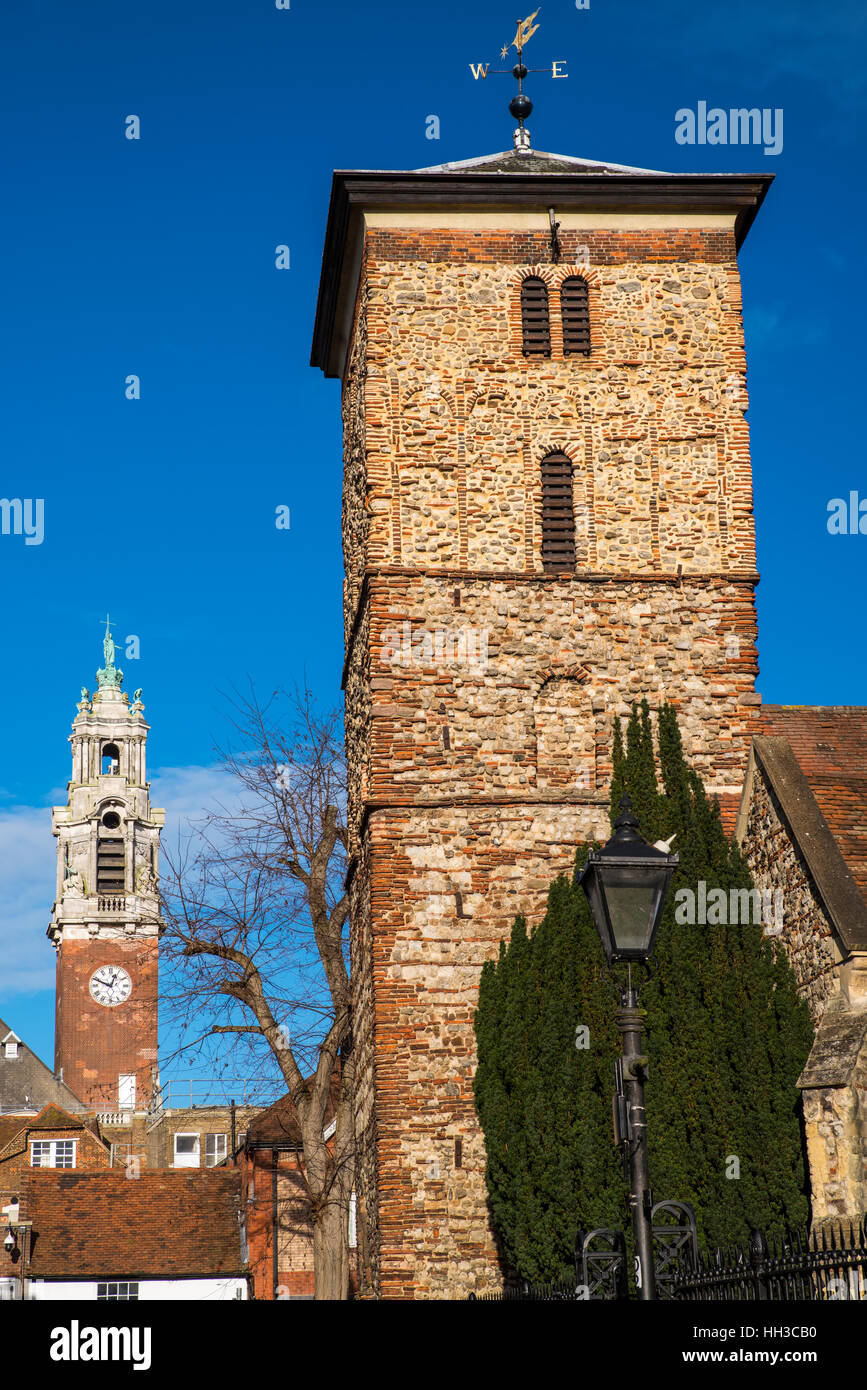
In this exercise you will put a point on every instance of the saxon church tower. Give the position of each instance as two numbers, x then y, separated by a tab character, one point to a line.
106	922
547	515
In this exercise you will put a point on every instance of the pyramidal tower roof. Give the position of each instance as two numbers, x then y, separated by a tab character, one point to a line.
533	162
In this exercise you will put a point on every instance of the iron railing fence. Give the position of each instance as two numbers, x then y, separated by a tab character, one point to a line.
189	1093
532	1293
827	1265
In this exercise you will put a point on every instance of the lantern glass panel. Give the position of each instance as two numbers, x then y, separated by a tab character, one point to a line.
632	896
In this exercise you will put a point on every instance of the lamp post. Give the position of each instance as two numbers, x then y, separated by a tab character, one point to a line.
10	1245
626	883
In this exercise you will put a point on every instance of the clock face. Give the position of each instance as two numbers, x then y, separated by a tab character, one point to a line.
110	985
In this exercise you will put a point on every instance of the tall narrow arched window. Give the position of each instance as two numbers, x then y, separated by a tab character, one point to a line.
110	759
534	317
575	305
558	519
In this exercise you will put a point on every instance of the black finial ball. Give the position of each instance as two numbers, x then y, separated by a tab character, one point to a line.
520	107
519	71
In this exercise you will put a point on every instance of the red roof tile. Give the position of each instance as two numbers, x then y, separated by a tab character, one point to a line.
162	1224
830	745
10	1125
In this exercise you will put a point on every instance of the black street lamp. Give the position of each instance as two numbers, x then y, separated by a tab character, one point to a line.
626	883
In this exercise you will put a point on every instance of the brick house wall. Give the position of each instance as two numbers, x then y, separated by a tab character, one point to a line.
201	1120
271	1178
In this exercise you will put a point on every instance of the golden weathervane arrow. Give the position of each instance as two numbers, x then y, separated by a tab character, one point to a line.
520	106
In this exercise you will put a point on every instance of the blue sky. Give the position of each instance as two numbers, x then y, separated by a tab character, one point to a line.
156	257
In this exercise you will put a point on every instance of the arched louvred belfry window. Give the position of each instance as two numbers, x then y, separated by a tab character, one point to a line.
575	305
534	317
558	518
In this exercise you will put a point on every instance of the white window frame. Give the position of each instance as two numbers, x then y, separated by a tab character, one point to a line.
353	1222
188	1160
11	1049
52	1146
116	1290
211	1162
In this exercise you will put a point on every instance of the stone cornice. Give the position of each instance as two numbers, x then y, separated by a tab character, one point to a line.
355	191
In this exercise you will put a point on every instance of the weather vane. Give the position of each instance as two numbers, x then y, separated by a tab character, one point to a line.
520	105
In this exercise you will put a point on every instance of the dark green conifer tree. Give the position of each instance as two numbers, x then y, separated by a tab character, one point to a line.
727	1036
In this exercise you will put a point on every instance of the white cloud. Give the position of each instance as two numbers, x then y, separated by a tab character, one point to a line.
27	854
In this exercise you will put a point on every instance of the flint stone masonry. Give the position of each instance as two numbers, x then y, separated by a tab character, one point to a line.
834	1084
807	936
471	782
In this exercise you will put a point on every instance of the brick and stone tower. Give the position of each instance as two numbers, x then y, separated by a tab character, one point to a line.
106	923
547	515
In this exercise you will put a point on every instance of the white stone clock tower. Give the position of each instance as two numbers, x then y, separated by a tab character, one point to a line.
106	920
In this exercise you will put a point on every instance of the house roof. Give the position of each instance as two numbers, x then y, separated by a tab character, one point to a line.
278	1127
163	1224
52	1117
10	1125
26	1083
829	743
812	759
534	162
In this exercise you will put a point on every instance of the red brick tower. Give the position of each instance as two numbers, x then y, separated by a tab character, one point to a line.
547	515
106	924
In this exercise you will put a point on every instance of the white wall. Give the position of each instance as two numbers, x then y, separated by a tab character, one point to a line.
176	1290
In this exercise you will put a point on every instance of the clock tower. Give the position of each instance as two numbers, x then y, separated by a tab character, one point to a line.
106	920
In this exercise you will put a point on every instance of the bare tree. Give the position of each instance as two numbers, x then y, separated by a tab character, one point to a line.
257	920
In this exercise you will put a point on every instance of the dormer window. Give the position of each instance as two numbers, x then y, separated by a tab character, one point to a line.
535	321
11	1049
52	1153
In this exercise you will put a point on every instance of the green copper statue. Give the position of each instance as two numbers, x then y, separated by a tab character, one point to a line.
109	677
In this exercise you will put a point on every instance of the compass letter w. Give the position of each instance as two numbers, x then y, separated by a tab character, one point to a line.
479	70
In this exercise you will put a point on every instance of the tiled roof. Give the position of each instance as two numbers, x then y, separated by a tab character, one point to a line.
10	1125
533	162
163	1224
278	1125
52	1117
830	745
